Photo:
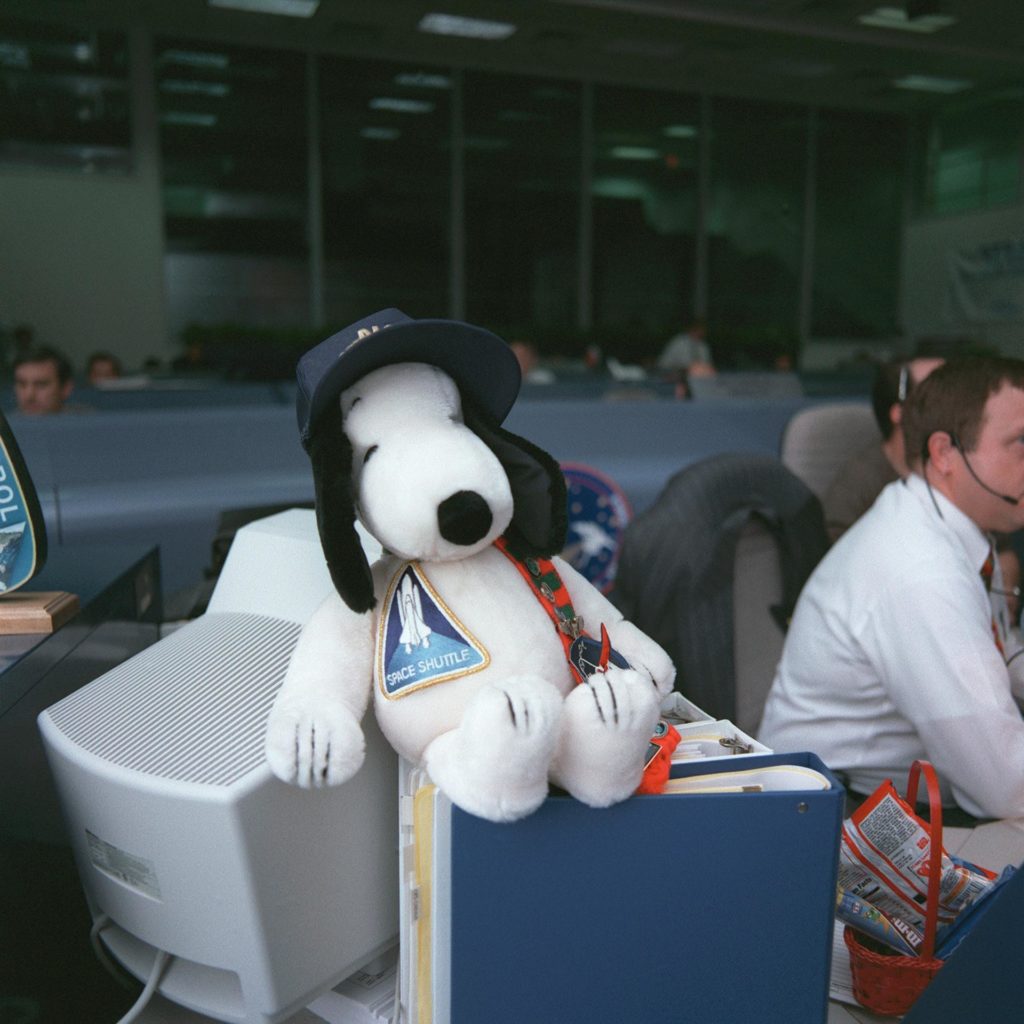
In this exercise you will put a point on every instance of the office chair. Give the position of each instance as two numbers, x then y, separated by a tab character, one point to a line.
818	440
712	571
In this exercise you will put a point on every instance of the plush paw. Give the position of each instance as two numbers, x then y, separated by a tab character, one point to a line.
607	724
644	654
495	764
314	748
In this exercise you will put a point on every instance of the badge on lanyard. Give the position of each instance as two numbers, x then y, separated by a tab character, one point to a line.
420	641
587	656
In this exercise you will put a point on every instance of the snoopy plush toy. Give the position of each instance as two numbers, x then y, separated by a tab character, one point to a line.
468	628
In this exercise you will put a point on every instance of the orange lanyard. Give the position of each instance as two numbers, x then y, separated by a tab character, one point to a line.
547	585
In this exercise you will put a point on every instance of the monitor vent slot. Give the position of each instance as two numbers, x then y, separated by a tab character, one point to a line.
192	707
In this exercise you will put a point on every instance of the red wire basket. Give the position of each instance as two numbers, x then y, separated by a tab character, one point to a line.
886	982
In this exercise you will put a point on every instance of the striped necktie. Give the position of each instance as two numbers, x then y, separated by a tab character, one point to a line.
987	571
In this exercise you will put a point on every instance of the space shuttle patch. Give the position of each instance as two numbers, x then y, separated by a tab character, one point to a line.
420	642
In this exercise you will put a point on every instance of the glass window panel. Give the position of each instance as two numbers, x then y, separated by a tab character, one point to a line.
233	146
958	180
858	224
644	211
521	141
971	155
1002	177
64	97
755	230
386	131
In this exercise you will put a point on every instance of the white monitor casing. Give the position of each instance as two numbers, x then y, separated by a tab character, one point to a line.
264	894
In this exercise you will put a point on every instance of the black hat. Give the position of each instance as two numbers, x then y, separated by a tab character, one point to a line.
479	362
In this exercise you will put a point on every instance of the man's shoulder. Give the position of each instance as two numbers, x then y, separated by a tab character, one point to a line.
896	543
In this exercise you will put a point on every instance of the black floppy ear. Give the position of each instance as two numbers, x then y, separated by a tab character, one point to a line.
331	455
540	513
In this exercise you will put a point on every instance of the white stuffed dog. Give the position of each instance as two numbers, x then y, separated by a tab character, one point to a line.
456	628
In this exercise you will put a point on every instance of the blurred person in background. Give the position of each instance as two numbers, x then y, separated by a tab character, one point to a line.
861	478
42	381
102	366
688	353
529	363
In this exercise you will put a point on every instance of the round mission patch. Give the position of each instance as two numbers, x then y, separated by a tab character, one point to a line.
599	512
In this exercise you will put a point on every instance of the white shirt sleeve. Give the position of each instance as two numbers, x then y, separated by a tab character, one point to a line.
948	679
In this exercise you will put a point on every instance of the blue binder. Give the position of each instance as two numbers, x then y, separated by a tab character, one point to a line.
980	982
669	908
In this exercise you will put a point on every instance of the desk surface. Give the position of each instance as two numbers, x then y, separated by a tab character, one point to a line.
106	578
45	959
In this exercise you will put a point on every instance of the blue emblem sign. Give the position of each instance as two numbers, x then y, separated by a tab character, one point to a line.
22	531
420	641
598	515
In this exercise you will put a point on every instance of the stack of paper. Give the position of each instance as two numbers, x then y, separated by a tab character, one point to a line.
701	736
367	997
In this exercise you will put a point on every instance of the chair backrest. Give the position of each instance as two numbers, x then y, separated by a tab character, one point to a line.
757	588
712	570
818	440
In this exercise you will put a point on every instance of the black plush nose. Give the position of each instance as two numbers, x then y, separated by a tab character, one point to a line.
464	517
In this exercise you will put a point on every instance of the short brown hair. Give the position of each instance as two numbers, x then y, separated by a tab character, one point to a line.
952	399
45	354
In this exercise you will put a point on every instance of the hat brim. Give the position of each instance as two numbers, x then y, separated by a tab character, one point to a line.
481	364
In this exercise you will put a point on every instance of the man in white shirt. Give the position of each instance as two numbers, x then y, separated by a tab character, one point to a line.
893	654
688	352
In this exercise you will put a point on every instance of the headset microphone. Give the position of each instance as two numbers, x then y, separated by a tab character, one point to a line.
981	483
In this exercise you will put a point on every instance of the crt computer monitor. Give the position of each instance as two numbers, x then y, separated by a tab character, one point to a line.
263	894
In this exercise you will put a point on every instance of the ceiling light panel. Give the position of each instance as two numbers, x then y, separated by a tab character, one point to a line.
380	134
400	105
289	8
188	87
635	153
932	83
423	80
14	55
467	28
195	59
896	18
189	119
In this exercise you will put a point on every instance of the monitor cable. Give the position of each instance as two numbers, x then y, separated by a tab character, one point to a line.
114	969
122	977
155	974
